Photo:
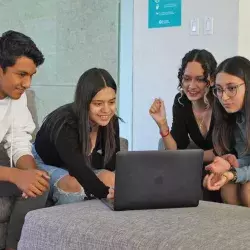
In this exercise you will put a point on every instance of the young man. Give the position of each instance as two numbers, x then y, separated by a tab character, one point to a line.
19	58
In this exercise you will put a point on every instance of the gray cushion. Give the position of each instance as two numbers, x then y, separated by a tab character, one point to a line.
5	209
123	144
31	103
191	145
92	225
3	229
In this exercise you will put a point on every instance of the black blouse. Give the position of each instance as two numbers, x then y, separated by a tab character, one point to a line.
184	126
66	153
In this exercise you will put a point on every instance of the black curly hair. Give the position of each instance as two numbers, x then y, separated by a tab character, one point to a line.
204	57
208	64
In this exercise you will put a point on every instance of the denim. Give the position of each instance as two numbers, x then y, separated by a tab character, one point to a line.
243	172
57	195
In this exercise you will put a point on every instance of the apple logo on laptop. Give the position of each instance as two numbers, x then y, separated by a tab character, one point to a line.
158	180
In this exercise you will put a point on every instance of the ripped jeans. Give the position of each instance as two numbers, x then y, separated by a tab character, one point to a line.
56	194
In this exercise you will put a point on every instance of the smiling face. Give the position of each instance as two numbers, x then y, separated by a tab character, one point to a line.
193	82
233	99
14	80
103	106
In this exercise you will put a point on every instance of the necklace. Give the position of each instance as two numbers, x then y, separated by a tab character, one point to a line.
200	123
199	117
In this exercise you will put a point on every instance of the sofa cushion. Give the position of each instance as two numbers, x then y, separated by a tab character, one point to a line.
31	103
3	230
161	146
92	225
4	158
123	144
5	208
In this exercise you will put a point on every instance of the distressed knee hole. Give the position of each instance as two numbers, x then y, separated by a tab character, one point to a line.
69	184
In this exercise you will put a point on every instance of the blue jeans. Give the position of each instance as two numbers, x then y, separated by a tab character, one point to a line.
56	194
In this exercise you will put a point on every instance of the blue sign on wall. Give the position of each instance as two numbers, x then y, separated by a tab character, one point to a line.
164	13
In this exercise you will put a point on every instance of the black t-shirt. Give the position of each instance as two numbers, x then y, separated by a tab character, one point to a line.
66	153
184	126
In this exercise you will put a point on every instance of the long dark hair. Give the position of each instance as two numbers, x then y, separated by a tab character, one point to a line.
224	122
208	64
89	84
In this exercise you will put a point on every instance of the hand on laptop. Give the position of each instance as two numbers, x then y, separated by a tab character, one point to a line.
107	177
222	164
111	193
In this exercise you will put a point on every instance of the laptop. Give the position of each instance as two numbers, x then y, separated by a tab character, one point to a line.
157	179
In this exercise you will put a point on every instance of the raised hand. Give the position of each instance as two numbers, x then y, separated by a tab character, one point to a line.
158	112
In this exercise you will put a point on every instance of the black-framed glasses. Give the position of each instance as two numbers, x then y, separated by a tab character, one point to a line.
230	91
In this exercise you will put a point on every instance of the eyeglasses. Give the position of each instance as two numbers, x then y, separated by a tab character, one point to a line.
230	91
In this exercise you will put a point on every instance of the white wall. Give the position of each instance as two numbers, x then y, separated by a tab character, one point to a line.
125	69
157	54
244	23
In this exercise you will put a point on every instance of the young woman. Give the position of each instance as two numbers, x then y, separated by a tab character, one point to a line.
232	132
77	143
192	109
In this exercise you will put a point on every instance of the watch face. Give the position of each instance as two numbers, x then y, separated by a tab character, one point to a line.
235	175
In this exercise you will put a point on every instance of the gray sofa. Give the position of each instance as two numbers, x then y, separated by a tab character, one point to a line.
92	225
6	202
161	147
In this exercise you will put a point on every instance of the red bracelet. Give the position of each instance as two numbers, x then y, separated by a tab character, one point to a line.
164	135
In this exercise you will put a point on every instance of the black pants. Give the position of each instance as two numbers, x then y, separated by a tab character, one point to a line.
20	208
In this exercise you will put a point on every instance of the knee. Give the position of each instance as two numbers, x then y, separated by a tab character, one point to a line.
245	194
69	184
107	177
106	173
229	194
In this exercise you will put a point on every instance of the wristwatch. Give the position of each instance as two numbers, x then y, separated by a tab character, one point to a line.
234	172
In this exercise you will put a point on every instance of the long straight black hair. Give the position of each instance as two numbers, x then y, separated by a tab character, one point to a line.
89	84
224	122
